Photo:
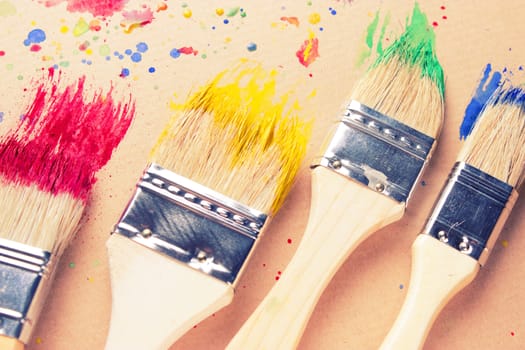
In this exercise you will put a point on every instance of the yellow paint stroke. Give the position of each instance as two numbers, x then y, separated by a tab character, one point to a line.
243	103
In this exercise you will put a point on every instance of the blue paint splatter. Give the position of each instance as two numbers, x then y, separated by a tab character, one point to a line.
136	57
251	47
128	52
124	72
34	37
226	21
481	96
142	47
175	53
1	117
151	69
333	12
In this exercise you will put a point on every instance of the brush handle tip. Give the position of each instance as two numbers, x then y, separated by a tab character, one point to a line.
7	343
438	273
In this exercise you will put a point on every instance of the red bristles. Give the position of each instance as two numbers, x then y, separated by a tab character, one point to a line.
64	138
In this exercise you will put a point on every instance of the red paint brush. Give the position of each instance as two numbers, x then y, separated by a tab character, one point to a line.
47	169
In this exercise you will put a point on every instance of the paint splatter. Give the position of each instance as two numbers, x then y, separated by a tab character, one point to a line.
187	13
289	241
314	18
136	19
2	53
505	243
71	265
370	33
35	36
309	51
251	47
219	11
95	7
175	53
291	20
482	94
64	138
81	27
7	9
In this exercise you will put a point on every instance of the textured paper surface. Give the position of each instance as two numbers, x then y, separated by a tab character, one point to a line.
363	299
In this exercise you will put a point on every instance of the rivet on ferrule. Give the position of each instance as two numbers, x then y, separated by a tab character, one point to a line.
471	210
377	151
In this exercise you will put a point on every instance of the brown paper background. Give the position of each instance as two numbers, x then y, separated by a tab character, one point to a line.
362	300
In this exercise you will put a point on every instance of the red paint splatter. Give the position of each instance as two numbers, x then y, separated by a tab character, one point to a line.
64	138
291	20
2	53
443	7
512	333
264	265
435	24
444	17
95	7
83	46
308	52
35	48
289	241
277	278
188	51
95	26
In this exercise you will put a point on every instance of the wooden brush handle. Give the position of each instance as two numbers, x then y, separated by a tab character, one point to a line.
7	343
156	299
438	273
343	214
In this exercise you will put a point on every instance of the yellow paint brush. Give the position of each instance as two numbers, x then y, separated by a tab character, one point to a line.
467	217
362	182
220	170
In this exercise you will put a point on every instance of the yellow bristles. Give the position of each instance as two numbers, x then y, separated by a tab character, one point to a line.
236	138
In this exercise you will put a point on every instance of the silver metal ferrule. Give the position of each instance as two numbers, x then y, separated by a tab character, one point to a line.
191	223
471	211
377	151
24	276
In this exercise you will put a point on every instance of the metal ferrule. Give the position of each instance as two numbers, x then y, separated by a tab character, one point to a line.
191	223
377	151
471	211
24	282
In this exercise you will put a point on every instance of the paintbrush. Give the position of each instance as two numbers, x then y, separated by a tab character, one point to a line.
219	172
362	182
467	217
47	169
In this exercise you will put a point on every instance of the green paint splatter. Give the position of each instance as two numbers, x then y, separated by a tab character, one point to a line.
233	11
416	47
71	265
64	64
104	50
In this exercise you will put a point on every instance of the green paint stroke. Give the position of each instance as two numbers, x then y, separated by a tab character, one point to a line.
417	47
369	41
386	22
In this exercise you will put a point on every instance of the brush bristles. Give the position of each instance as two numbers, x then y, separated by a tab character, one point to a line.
406	80
401	92
36	218
496	144
237	141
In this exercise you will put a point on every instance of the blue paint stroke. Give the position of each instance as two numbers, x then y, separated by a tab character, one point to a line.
480	98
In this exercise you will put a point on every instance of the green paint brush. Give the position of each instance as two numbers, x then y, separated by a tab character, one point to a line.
362	182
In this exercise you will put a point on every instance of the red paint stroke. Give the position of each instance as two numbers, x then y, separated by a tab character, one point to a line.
188	50
95	7
291	20
35	48
64	138
309	51
136	19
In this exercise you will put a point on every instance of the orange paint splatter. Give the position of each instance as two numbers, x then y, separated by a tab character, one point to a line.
308	52
291	20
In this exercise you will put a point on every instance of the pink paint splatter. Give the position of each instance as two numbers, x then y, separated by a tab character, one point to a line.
309	51
291	20
64	138
95	7
136	19
35	48
2	53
